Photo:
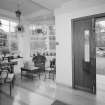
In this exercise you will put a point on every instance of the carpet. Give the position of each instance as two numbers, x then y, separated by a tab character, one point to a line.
57	102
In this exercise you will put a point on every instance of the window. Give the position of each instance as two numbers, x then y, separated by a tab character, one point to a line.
7	25
12	26
4	22
5	28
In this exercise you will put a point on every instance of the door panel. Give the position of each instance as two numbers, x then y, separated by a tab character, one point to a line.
84	55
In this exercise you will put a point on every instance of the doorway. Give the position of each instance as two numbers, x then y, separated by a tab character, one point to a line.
84	59
88	46
100	53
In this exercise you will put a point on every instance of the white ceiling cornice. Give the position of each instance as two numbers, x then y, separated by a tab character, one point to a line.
37	14
7	14
41	5
50	4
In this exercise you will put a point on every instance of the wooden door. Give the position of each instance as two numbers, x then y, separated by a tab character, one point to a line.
84	55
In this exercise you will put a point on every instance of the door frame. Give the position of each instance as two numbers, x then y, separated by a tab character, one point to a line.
94	18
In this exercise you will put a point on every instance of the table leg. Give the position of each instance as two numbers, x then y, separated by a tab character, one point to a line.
21	73
32	75
10	88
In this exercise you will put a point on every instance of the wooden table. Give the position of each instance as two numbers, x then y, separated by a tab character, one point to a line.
31	70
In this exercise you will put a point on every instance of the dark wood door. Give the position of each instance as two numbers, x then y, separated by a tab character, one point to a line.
84	55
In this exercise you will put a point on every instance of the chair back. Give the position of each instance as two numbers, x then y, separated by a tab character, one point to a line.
53	63
3	76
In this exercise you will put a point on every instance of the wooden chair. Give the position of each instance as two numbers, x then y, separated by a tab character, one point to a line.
39	61
41	68
53	71
47	71
53	68
7	78
50	70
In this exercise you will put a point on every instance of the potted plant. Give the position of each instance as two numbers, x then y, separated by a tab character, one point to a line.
5	51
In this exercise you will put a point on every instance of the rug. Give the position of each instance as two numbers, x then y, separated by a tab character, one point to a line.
57	102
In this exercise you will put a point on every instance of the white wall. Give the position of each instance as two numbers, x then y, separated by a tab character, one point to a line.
63	18
63	51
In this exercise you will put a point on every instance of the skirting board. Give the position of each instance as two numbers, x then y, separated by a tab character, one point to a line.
63	85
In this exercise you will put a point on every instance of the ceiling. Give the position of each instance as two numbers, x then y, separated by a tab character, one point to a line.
51	4
32	10
25	6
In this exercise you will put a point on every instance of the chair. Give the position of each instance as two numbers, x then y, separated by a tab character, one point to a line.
7	78
39	61
3	76
53	68
5	66
50	70
53	71
47	71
